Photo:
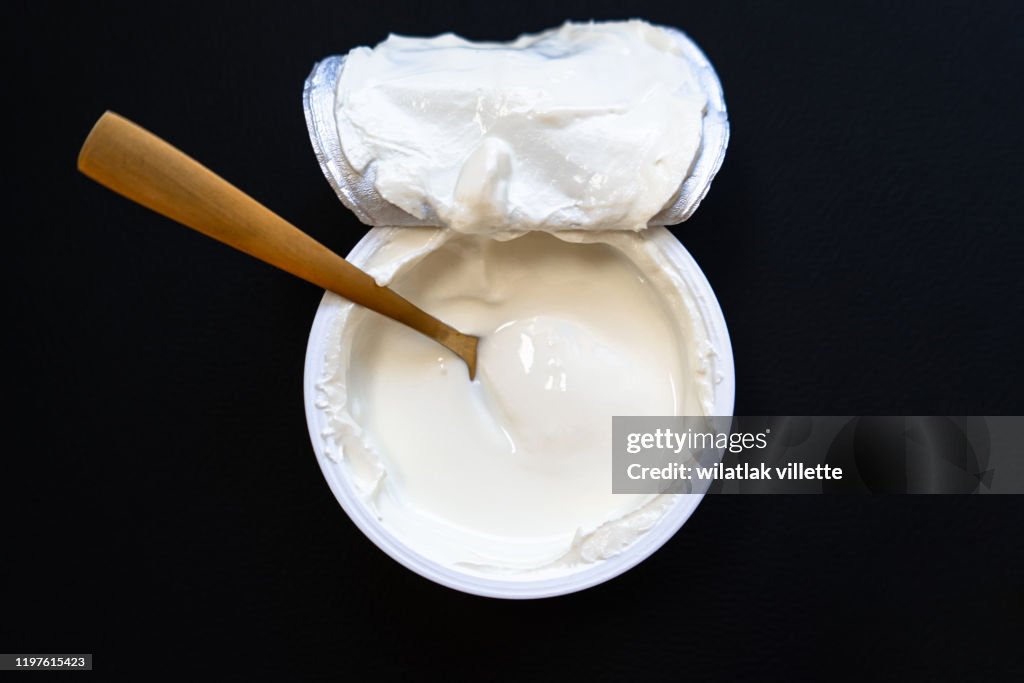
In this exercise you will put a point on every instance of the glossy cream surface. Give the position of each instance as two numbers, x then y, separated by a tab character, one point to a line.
512	471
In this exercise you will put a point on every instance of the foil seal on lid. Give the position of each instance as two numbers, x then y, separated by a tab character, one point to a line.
357	189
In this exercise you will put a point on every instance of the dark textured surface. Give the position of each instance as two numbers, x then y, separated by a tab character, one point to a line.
864	238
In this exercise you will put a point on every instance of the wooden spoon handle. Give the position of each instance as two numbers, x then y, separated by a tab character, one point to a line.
137	164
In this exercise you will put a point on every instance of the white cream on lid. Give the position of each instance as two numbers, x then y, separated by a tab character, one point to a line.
512	472
588	126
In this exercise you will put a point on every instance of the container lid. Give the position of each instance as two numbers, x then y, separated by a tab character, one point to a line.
357	190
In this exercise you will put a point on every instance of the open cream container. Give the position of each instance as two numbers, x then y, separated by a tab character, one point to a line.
393	250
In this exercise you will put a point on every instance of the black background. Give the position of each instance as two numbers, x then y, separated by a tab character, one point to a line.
864	238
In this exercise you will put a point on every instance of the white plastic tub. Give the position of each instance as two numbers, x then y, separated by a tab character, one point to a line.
720	370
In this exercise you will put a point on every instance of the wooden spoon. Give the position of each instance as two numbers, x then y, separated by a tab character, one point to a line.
137	164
